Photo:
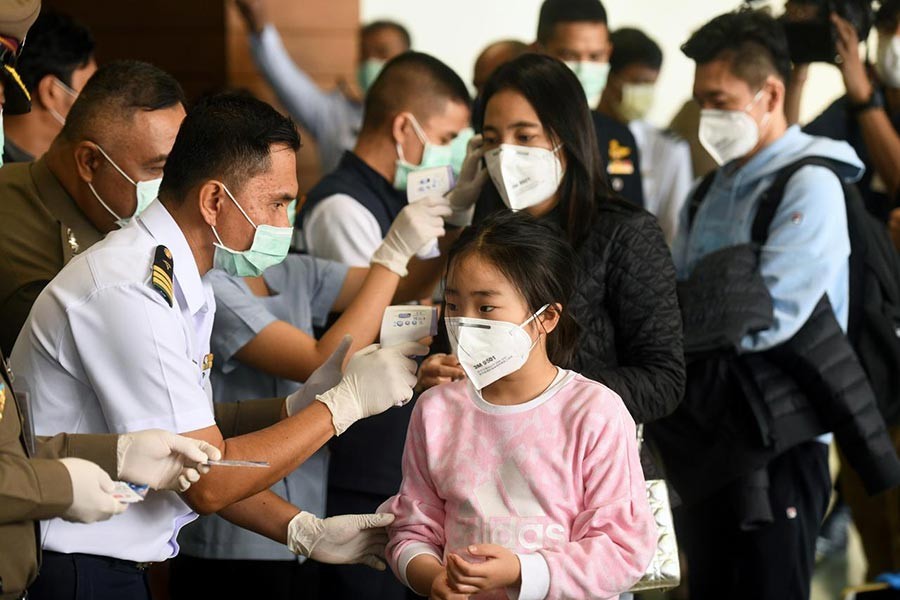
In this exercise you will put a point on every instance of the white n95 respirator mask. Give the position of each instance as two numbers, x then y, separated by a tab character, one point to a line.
729	134
490	350
524	176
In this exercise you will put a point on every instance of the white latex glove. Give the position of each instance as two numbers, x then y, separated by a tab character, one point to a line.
471	179
92	489
342	540
163	460
322	379
376	379
415	226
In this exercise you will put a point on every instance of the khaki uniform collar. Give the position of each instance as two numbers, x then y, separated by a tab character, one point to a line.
78	232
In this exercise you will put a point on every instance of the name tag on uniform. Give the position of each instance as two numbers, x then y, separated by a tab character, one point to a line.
619	162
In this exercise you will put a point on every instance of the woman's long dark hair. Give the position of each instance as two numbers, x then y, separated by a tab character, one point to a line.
538	261
559	101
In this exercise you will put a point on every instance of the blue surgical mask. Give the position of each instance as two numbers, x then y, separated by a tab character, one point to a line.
146	192
432	156
367	72
270	246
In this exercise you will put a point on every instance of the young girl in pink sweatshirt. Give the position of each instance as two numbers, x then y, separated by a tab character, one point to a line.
522	480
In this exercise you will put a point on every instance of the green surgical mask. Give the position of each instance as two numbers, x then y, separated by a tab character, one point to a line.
459	145
592	75
637	100
432	156
270	246
367	72
292	212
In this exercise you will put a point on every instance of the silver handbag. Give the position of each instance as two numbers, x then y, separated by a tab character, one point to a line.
664	571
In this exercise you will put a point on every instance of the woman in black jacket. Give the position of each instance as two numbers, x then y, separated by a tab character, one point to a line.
541	151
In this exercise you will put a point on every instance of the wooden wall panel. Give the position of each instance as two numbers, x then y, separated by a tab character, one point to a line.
320	35
203	43
186	38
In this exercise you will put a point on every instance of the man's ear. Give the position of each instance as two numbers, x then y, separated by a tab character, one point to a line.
87	160
398	127
776	90
211	196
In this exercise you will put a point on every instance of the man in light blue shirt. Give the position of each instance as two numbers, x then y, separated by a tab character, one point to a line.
742	67
332	117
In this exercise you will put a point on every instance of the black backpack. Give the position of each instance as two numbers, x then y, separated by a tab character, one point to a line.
873	326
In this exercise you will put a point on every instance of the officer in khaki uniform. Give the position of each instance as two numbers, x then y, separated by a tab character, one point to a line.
97	173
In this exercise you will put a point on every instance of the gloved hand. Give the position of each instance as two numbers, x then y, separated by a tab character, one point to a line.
376	379
163	460
471	179
322	379
416	225
342	540
92	489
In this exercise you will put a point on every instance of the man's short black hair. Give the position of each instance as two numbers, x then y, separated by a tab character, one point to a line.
116	92
633	47
374	26
567	11
888	16
414	82
56	45
752	40
226	137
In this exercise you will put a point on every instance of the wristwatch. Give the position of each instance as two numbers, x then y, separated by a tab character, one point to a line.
876	100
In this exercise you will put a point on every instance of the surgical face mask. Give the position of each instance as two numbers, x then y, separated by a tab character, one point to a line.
490	350
592	75
888	61
432	156
729	134
459	145
147	191
68	90
270	246
292	212
524	176
637	100
367	72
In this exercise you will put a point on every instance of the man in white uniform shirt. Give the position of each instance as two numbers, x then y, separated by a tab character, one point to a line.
666	172
125	329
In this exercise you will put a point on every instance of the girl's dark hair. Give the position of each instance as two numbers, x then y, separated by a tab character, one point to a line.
559	101
538	261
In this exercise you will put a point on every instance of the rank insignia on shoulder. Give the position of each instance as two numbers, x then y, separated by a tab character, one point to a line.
161	274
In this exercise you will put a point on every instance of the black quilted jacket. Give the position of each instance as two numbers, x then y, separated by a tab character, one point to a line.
627	307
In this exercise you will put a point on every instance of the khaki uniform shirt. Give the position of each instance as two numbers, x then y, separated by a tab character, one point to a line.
34	487
43	229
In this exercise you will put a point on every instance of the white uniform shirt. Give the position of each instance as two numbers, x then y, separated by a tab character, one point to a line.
102	351
341	229
666	173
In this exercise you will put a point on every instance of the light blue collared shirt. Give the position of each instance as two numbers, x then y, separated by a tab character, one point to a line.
304	290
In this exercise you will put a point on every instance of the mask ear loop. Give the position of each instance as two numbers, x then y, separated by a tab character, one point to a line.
417	129
532	318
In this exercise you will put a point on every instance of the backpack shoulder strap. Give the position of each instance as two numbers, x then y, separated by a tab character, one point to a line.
699	194
771	198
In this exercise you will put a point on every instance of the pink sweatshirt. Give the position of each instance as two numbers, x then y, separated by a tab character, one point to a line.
557	480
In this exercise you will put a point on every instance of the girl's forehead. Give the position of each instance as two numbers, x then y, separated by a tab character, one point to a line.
474	272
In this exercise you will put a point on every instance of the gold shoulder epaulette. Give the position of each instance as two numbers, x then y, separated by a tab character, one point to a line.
161	274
